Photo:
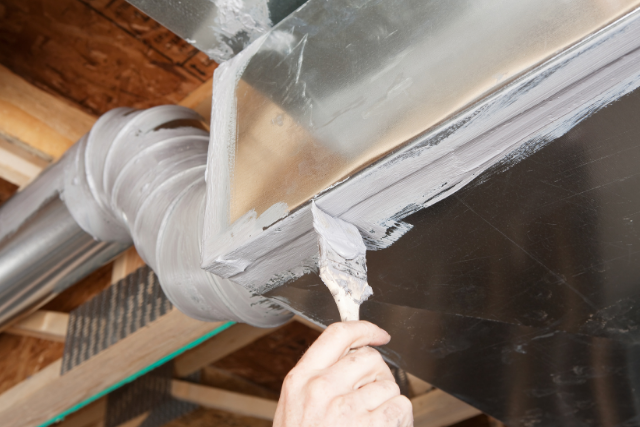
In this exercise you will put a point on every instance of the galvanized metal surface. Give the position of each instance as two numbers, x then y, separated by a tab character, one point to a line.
220	28
46	252
340	83
520	294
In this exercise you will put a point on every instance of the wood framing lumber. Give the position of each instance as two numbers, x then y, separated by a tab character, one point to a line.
18	164
217	347
37	118
438	409
22	391
418	386
125	264
224	400
200	100
91	415
43	324
136	421
37	127
117	363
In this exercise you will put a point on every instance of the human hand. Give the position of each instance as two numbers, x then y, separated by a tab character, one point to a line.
330	387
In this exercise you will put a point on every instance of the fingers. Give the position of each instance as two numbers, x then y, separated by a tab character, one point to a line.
397	411
336	341
363	366
372	395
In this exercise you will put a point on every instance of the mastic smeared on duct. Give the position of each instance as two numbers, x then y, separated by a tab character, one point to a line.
342	263
139	176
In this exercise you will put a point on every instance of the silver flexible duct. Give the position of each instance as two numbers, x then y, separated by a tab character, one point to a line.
136	177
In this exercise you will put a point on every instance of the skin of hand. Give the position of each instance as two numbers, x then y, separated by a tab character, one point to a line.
332	387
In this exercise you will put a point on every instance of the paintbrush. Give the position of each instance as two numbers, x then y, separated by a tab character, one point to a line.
342	262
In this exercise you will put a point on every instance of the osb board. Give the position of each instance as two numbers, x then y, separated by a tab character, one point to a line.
6	190
154	35
99	55
203	417
268	360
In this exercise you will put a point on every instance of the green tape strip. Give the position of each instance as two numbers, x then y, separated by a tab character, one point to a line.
141	372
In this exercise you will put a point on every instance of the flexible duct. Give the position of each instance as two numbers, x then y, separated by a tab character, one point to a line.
137	177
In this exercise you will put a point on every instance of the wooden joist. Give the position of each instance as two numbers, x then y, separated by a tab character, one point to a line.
37	119
43	324
224	400
223	344
130	356
18	164
437	409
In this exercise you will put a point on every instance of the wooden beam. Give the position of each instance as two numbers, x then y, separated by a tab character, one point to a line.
90	416
200	100
43	324
36	118
136	421
217	347
119	362
18	164
126	263
224	400
36	128
24	390
438	409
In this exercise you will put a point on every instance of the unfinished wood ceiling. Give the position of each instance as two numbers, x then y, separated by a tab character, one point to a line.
98	54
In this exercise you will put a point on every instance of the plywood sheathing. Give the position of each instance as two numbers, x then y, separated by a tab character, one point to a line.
98	54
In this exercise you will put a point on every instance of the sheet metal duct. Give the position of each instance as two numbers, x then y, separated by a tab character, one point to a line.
220	28
136	177
467	286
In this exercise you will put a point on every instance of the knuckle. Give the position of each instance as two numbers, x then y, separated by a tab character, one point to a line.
336	329
319	387
371	353
400	406
293	380
392	386
404	404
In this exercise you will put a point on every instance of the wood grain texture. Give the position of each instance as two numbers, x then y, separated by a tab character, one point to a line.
18	164
218	378
116	363
215	398
17	350
200	100
218	347
91	415
151	33
125	264
437	408
43	324
29	386
269	359
75	50
205	417
22	357
40	120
